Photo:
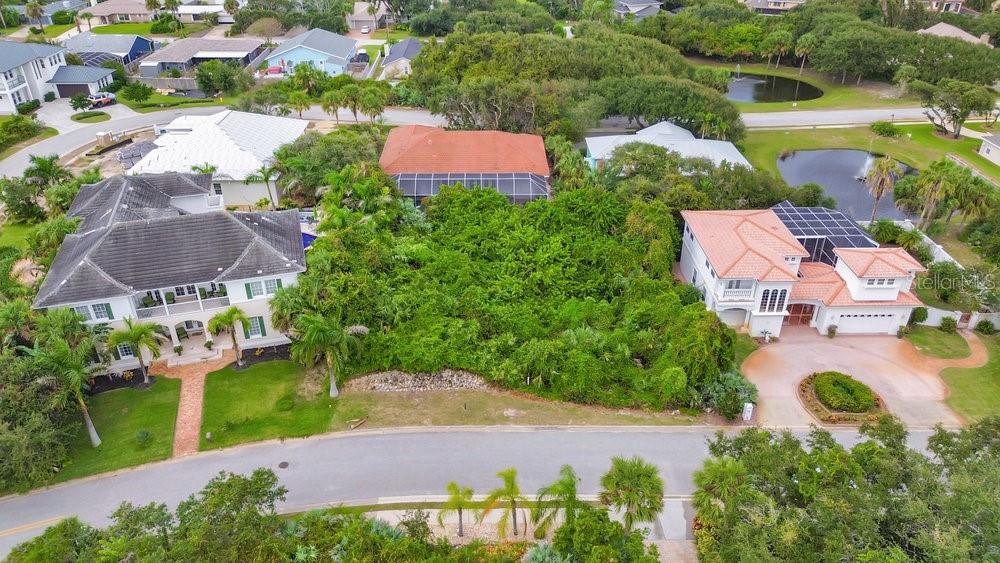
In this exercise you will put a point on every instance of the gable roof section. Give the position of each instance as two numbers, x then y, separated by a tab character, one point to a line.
335	46
408	49
745	244
943	29
133	198
879	262
14	54
75	74
90	42
423	149
183	50
237	143
821	282
673	138
111	7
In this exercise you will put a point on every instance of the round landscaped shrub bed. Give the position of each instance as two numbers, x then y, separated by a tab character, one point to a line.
836	397
90	116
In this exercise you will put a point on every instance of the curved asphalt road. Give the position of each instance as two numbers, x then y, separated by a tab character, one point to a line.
65	143
366	467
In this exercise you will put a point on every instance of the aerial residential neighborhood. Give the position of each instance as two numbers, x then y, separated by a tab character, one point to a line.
504	281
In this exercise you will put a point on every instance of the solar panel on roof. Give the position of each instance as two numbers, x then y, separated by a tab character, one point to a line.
835	229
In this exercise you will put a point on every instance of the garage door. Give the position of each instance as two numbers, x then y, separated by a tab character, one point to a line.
70	90
883	323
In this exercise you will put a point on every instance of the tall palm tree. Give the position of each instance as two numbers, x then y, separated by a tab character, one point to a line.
45	170
231	7
15	322
139	337
508	494
321	337
559	494
34	10
172	6
459	500
153	5
70	366
61	323
264	174
331	102
3	20
299	101
721	482
934	184
805	45
880	180
87	16
227	320
205	168
635	486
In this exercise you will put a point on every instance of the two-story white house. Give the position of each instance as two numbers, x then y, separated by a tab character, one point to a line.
755	273
162	248
27	69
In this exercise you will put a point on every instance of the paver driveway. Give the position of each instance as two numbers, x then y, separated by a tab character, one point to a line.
906	379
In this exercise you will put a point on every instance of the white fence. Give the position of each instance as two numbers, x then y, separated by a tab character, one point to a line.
976	318
935	316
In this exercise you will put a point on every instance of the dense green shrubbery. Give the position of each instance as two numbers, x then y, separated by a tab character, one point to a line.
948	324
886	129
571	297
918	315
840	392
17	129
25	108
986	327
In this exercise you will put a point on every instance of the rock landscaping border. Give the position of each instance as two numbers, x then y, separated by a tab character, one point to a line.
400	381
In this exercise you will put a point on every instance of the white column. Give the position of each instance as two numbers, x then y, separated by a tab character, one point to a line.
173	335
197	294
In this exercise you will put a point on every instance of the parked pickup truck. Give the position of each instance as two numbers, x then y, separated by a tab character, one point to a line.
101	99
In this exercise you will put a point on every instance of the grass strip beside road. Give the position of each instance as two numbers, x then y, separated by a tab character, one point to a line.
45	134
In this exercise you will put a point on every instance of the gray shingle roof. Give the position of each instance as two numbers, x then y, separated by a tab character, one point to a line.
336	46
149	247
408	48
183	50
49	9
14	54
73	74
89	42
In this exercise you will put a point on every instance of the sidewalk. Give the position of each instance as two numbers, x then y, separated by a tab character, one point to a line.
187	431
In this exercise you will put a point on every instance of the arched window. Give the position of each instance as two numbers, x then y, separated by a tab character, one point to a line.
763	300
781	300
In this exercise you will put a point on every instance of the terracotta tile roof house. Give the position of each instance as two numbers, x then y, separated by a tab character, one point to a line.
754	271
422	158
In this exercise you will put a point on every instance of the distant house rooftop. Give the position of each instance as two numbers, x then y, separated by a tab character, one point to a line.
671	137
112	7
89	42
408	49
942	29
336	47
183	50
14	54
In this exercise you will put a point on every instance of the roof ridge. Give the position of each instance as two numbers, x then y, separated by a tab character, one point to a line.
74	267
255	238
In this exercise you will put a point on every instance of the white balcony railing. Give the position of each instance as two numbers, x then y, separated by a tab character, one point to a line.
214	303
181	307
736	294
150	312
14	82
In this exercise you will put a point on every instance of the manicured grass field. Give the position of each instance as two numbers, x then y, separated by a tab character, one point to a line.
119	415
138	28
835	95
975	393
744	347
55	30
260	403
918	146
939	344
160	102
90	116
14	234
926	294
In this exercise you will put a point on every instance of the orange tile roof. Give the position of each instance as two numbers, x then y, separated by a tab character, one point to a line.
879	262
745	244
821	282
419	148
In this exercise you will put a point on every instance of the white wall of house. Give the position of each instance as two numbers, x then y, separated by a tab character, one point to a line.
29	81
235	192
990	151
872	289
862	320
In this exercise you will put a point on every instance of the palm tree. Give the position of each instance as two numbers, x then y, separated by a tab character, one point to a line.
880	180
320	337
351	96
87	16
172	5
139	337
635	486
299	101
331	102
34	10
459	499
72	367
804	47
934	184
205	168
721	482
509	494
227	320
552	497
264	174
910	240
231	7
45	170
61	323
3	20
372	102
15	322
153	5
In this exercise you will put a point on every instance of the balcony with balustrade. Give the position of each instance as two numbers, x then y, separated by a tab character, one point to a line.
14	83
164	302
735	291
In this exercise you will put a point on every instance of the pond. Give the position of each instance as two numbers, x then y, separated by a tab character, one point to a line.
745	87
841	172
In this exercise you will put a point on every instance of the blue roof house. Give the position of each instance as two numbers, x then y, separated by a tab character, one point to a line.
324	50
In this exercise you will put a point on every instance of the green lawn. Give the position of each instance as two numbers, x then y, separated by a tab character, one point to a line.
960	251
45	134
926	294
939	344
744	347
14	234
373	51
90	116
394	34
835	95
119	415
52	31
160	102
139	28
243	406
918	146
975	393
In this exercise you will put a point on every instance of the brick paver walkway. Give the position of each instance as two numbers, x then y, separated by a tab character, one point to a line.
188	427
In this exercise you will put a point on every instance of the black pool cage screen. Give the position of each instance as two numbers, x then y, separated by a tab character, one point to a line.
518	187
